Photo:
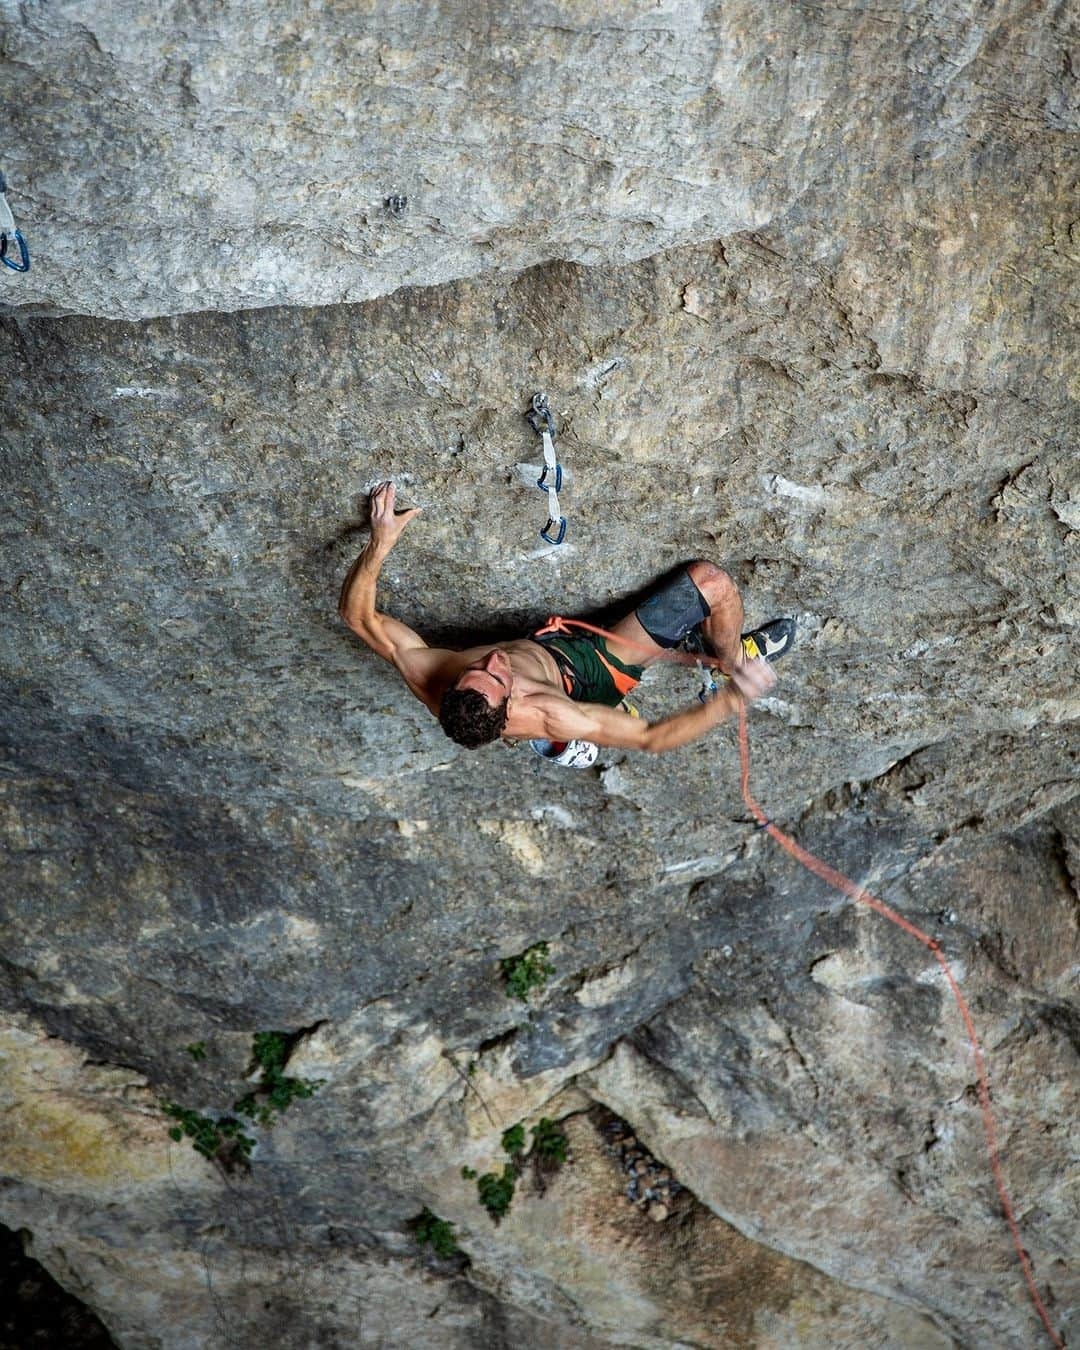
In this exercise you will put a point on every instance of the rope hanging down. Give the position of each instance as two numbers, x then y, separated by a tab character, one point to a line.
849	888
550	481
8	231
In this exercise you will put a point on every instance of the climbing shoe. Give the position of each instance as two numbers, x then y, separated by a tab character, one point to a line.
571	754
772	640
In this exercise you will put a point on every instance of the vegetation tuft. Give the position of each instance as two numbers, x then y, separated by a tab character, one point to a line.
430	1230
274	1092
526	972
550	1143
496	1191
513	1140
550	1149
223	1140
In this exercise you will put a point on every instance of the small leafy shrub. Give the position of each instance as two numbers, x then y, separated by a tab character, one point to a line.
429	1229
550	1143
549	1151
513	1140
224	1140
274	1092
218	1140
496	1192
530	970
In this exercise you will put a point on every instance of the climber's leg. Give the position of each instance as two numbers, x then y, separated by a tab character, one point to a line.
700	595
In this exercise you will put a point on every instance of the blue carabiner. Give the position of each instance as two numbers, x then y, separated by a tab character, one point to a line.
558	479
560	536
24	266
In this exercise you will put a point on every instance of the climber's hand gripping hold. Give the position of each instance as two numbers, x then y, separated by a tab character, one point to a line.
387	523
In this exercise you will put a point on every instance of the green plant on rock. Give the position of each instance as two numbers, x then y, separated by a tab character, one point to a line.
429	1229
513	1140
222	1141
528	971
549	1151
496	1192
550	1143
274	1091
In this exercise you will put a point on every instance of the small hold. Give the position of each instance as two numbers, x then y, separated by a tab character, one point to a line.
398	204
658	1213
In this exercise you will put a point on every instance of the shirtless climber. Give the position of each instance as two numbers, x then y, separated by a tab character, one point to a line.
559	687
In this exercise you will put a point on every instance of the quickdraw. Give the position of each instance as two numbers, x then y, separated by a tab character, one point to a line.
693	644
8	231
551	479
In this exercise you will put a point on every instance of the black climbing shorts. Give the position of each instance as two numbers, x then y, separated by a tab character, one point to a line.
672	610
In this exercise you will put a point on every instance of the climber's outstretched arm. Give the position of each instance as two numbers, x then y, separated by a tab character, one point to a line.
566	721
388	637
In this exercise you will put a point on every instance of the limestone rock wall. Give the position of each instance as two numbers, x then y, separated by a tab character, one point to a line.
187	156
225	815
854	388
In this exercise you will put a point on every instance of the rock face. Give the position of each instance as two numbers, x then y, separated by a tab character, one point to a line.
186	156
221	815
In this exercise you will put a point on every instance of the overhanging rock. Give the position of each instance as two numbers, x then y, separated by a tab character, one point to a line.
174	157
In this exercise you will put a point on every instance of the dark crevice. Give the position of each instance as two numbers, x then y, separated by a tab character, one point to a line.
1064	1018
36	1311
496	1042
640	1041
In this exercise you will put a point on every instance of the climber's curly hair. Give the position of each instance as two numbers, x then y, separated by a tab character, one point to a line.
468	718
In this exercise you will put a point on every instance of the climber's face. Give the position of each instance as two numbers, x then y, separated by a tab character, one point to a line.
491	676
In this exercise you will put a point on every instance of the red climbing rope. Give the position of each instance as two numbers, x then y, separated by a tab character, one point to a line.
849	888
858	893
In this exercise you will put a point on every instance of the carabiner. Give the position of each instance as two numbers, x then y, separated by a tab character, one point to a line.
539	415
561	534
24	265
544	486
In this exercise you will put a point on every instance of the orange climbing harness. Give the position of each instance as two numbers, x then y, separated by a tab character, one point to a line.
849	888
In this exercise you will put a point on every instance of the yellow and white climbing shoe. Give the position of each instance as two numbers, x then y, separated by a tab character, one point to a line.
771	641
